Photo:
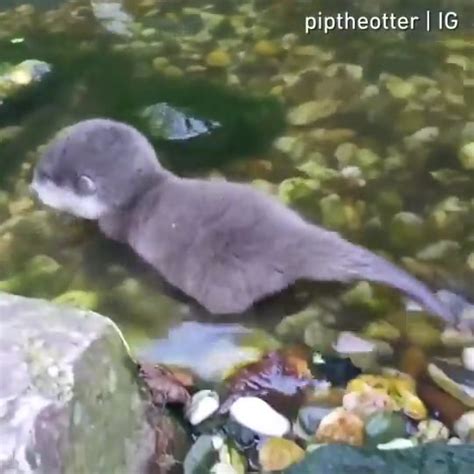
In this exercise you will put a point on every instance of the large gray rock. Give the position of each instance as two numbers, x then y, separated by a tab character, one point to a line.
69	398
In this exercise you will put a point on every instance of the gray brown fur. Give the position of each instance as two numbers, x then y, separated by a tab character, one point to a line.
224	244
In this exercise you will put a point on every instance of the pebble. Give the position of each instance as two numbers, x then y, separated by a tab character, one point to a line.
468	358
266	48
310	417
464	427
312	111
368	402
277	454
383	427
432	430
259	416
219	58
201	406
466	156
454	379
341	426
399	443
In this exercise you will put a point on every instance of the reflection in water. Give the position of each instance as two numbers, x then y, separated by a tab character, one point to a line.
207	349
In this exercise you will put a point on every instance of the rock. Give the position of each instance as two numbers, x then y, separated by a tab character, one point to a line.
399	443
219	58
431	430
464	427
434	458
267	48
277	453
72	402
407	229
454	379
319	337
420	332
381	329
361	352
259	416
383	427
202	455
87	300
21	75
368	402
440	250
449	409
400	88
400	388
454	338
466	156
468	358
202	405
341	426
170	123
310	417
312	111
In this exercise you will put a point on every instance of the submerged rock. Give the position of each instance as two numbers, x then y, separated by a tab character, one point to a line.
434	458
61	362
383	427
309	418
431	430
278	453
310	112
170	123
454	379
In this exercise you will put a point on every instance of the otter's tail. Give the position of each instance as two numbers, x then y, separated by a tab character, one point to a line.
377	269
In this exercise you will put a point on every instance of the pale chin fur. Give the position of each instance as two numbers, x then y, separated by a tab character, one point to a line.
64	199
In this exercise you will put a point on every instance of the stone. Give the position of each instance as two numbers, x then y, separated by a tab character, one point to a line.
383	427
464	427
202	405
466	156
257	415
454	379
367	402
219	58
309	417
267	48
432	430
312	111
72	402
277	454
341	426
362	353
468	358
381	329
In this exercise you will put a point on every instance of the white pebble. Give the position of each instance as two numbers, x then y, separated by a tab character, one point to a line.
468	358
202	405
259	416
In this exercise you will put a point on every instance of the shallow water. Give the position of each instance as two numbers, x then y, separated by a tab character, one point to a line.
405	101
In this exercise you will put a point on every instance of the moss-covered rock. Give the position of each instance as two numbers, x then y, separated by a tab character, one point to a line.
71	402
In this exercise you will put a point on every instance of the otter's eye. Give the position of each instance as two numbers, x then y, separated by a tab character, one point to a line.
85	185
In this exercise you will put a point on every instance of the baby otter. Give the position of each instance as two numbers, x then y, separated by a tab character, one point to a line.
224	244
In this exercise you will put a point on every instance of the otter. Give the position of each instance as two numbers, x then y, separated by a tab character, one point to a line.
225	245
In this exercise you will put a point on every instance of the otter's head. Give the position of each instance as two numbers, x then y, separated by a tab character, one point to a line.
96	167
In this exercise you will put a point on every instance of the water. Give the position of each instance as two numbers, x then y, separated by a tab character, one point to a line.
404	99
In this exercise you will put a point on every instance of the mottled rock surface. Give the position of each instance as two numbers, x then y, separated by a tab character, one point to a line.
69	398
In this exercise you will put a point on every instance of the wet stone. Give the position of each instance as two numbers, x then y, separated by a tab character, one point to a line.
61	362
